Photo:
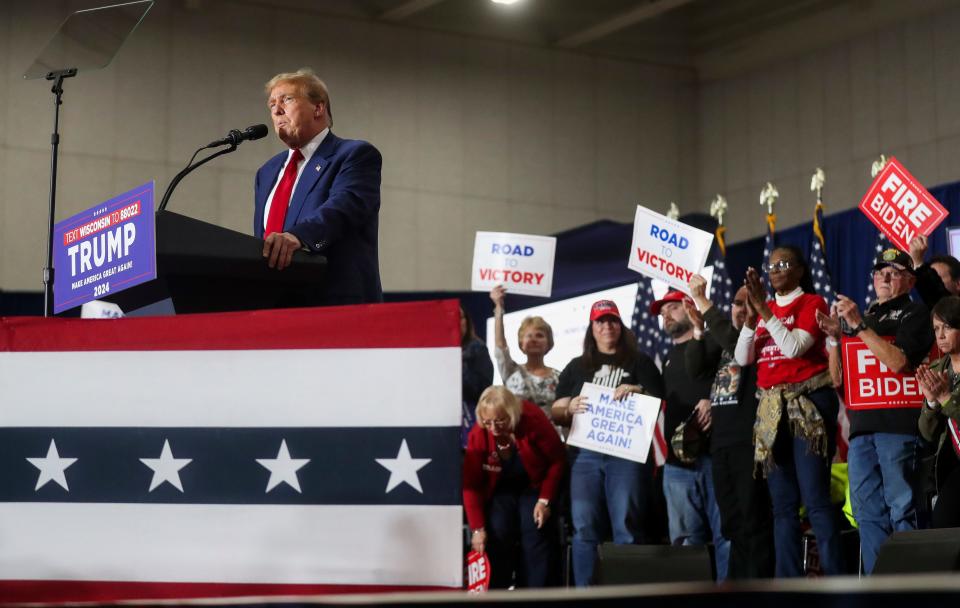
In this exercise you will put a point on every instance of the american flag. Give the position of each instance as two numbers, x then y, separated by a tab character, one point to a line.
721	287
819	271
883	243
650	337
651	341
769	244
823	284
230	454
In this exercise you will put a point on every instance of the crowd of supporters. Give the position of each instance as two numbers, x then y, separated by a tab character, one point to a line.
751	414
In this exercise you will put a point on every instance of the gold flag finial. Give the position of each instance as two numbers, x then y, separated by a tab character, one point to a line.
673	212
769	196
878	165
718	208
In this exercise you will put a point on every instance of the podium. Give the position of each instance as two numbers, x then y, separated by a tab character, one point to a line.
206	268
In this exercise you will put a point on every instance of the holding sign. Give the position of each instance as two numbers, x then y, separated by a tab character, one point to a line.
900	207
618	428
522	263
667	250
869	384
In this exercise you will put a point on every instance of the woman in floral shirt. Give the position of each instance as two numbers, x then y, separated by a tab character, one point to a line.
533	380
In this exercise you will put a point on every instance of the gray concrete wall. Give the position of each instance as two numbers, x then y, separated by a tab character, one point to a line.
475	134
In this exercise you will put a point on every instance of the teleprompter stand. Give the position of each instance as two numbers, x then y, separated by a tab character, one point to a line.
86	40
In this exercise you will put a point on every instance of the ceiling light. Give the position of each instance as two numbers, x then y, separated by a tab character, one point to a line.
504	1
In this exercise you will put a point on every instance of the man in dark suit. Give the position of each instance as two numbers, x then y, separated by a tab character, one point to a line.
327	192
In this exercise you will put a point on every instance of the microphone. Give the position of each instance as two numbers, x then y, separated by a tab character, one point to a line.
235	136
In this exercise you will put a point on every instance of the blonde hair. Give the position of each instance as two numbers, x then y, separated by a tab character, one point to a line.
535	323
499	398
309	85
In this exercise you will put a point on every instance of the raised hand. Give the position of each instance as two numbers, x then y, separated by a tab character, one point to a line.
829	324
751	319
695	316
918	250
848	311
756	294
934	385
497	294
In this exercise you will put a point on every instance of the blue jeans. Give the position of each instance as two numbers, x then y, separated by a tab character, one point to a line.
692	511
801	475
883	477
603	487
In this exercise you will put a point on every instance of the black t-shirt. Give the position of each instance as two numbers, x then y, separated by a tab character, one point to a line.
733	395
641	371
682	391
909	323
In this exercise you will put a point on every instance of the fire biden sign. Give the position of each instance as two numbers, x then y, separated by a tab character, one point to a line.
900	207
869	384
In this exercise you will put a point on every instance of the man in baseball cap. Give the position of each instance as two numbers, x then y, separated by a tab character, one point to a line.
895	258
670	296
882	460
692	511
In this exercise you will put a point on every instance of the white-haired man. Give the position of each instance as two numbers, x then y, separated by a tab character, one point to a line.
321	195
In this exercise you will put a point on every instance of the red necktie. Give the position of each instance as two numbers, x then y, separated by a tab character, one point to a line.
281	197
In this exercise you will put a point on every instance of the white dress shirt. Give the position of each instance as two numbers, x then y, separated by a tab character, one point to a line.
307	152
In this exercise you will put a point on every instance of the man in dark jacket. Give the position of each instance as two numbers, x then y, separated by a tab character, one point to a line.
743	499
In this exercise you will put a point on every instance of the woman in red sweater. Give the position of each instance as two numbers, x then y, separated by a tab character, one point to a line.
796	428
512	467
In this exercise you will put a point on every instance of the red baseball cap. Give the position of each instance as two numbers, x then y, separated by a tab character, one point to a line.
602	308
670	296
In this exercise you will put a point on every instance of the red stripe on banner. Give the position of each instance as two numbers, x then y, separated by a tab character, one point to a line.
843	431
13	592
427	324
954	434
659	441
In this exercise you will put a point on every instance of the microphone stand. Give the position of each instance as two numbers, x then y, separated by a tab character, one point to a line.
57	77
187	170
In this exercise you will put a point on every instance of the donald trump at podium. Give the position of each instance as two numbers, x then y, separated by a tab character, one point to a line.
321	195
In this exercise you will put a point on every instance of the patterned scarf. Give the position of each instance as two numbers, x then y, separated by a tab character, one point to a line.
805	421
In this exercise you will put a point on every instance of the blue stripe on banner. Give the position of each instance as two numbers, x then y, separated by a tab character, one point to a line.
342	467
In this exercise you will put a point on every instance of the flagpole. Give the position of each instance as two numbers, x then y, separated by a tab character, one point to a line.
816	184
718	208
768	198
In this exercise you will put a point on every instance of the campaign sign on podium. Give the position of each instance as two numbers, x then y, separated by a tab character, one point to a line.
105	249
621	428
900	206
666	249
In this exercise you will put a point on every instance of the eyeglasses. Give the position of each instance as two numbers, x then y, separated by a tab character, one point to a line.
779	266
494	423
888	274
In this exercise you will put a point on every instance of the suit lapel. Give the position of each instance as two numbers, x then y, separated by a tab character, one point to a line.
316	166
269	175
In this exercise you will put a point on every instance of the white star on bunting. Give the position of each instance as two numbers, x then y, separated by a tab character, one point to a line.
403	469
166	469
283	469
52	467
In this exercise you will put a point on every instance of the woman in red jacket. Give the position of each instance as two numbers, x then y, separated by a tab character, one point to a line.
511	470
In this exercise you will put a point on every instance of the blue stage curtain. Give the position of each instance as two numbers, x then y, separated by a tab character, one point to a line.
850	239
594	257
